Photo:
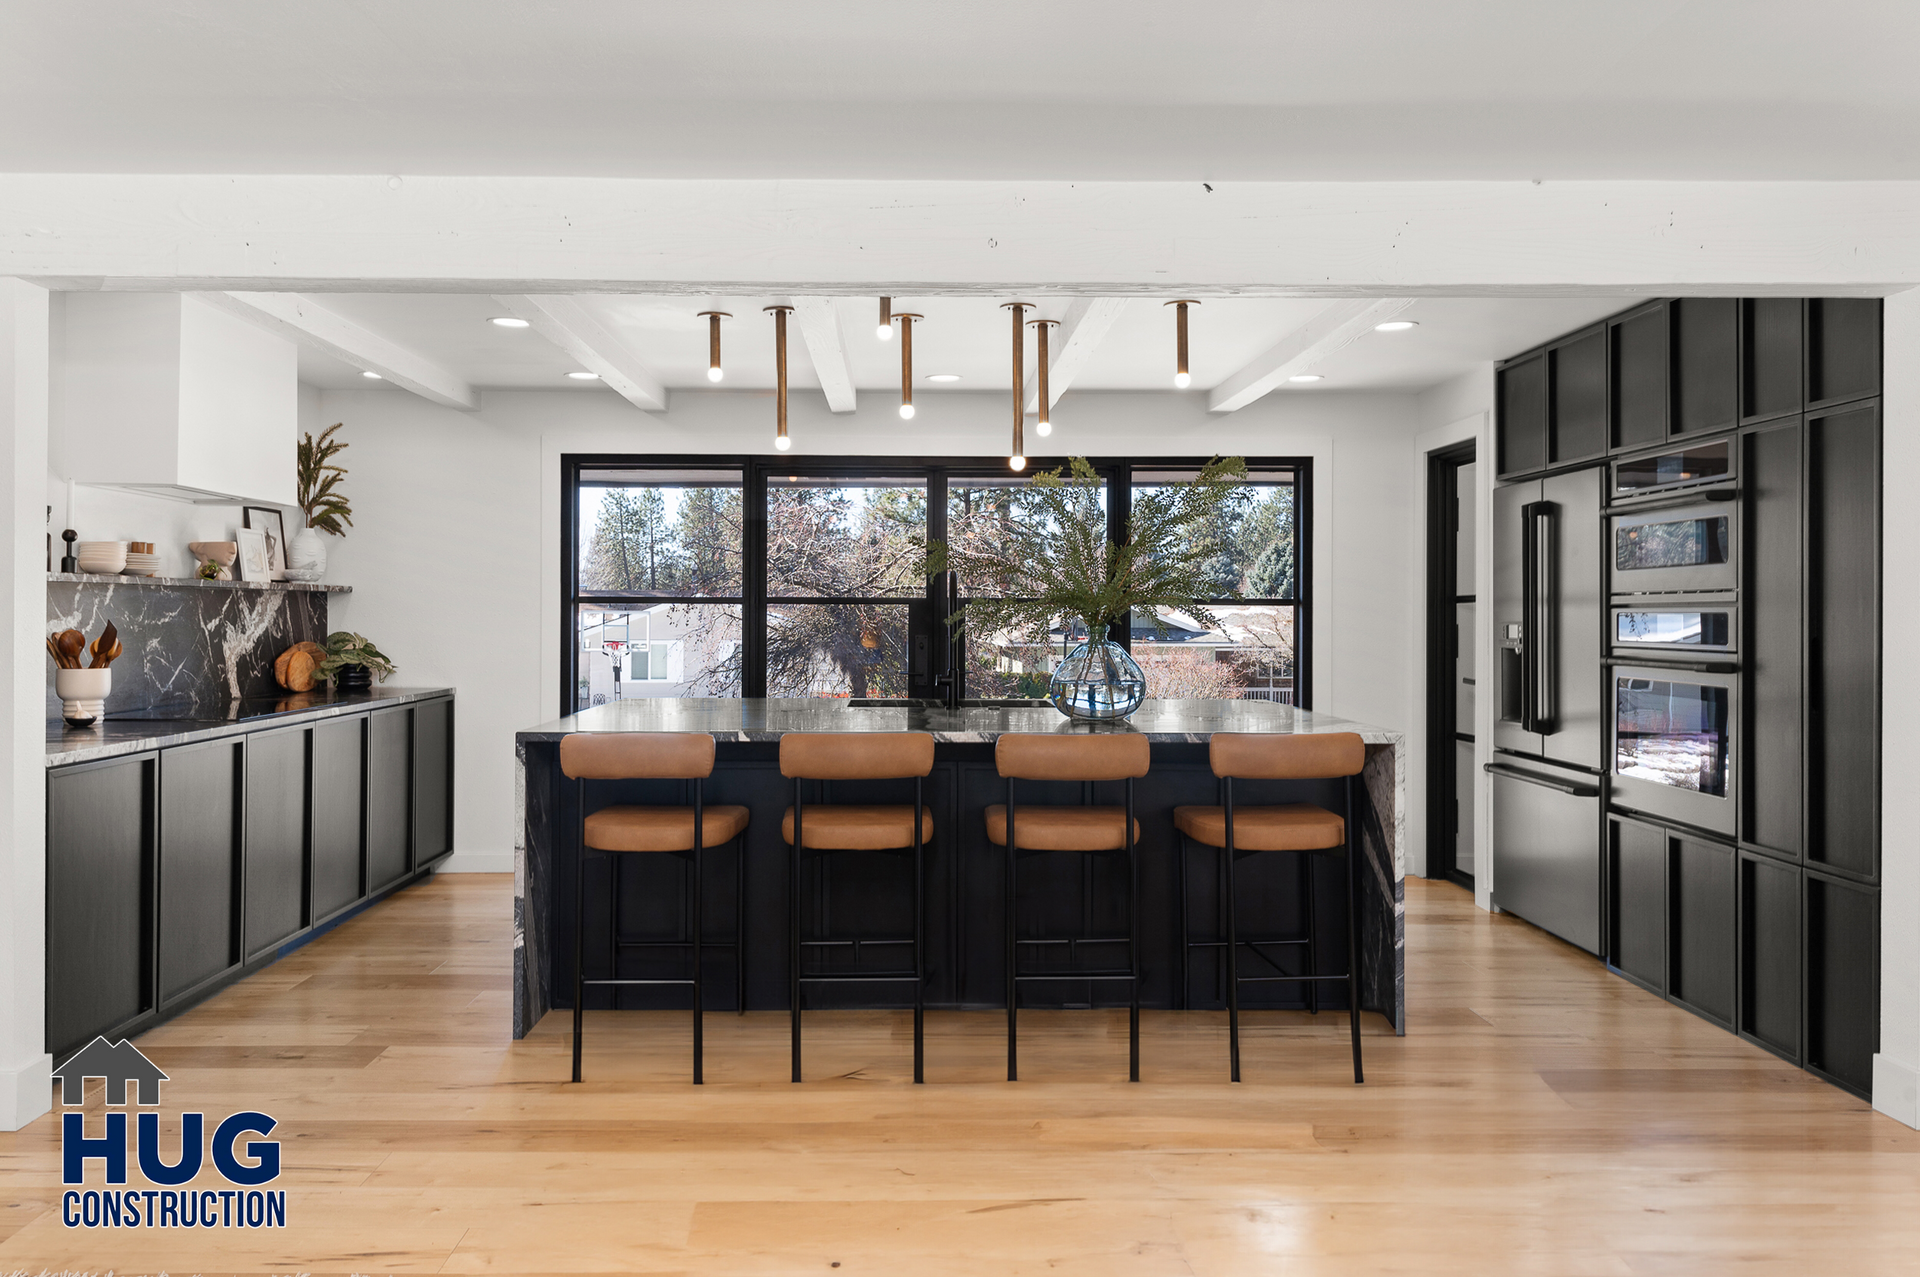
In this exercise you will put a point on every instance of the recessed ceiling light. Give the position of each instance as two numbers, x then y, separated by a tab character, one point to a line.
1305	376
943	376
1396	325
584	376
371	375
509	321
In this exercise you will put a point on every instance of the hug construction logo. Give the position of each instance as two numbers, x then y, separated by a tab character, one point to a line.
122	1066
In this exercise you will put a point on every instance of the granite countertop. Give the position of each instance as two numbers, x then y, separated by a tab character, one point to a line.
152	729
737	720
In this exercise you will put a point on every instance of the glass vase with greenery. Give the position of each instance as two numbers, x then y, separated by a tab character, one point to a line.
1043	558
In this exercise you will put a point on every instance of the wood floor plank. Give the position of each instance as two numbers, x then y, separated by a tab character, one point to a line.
1540	1116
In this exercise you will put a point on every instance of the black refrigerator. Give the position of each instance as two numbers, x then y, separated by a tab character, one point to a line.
1549	731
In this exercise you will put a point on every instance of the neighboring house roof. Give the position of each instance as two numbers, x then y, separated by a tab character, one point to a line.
118	1063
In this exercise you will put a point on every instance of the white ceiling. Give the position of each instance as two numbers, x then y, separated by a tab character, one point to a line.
1071	89
970	336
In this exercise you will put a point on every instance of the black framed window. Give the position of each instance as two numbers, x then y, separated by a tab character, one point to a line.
762	576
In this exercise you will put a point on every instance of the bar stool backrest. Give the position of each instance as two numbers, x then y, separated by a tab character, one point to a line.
1272	756
855	755
637	755
1034	756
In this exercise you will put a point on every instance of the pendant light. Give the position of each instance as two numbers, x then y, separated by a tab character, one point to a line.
780	439
1181	379
1044	426
906	319
713	318
1017	455
885	331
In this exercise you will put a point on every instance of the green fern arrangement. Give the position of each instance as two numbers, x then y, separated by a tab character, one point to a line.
320	500
1046	556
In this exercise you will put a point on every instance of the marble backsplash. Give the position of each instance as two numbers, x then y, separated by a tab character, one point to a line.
187	648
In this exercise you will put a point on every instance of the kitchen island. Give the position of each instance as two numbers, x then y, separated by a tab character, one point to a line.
965	873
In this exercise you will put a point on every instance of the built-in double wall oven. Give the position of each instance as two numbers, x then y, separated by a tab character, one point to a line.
1674	635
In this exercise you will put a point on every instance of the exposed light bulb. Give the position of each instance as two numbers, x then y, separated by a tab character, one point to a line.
783	443
1017	463
906	412
1182	380
884	332
371	375
1043	428
714	374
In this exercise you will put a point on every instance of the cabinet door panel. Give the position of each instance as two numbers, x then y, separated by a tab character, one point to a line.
432	780
276	880
1772	356
1843	984
1844	452
1770	953
1705	364
338	752
1580	398
1523	416
1772	645
1640	353
389	778
1705	943
1639	906
1843	348
99	879
199	863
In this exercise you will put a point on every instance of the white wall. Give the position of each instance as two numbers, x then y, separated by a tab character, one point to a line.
1896	1069
455	554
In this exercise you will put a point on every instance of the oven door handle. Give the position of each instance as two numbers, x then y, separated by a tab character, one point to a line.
1547	782
1688	667
1676	501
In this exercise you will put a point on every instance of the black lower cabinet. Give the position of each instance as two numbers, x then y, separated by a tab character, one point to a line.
1637	902
100	872
1843	1003
1770	953
339	792
200	855
1704	973
276	877
432	781
389	778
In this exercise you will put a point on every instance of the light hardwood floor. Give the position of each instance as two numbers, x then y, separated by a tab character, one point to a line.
1540	1117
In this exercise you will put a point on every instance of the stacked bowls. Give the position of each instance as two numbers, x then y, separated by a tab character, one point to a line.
102	558
141	560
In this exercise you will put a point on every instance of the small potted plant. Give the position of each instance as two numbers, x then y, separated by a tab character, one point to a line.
352	662
323	507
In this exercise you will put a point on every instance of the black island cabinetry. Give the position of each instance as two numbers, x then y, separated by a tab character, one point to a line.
181	859
1764	917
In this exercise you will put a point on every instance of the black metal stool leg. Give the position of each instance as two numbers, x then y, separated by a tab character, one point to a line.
1186	934
793	933
579	925
699	991
740	926
1133	943
919	939
1233	950
1353	930
1013	984
1313	933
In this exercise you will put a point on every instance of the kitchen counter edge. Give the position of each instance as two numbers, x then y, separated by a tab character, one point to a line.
119	737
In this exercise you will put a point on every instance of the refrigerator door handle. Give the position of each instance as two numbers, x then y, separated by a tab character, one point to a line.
1540	588
1548	782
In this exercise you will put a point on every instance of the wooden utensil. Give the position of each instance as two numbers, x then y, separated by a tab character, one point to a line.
105	648
72	643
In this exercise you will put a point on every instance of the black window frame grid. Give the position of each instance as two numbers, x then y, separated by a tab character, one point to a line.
927	612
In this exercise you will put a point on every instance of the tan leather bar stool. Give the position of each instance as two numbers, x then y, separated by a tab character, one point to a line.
1089	829
823	828
625	829
1295	827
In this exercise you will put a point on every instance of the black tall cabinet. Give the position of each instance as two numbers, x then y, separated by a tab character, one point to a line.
1773	934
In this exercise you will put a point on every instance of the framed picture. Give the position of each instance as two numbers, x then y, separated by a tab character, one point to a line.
268	520
253	564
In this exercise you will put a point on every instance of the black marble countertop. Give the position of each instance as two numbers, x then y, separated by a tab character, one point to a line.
153	729
736	720
194	582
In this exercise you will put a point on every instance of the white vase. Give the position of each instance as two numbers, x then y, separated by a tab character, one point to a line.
306	556
83	694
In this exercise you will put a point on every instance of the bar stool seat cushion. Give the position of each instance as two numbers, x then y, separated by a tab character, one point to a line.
1063	828
859	827
1285	827
627	828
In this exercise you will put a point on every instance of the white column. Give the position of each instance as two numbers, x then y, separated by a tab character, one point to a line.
1896	1069
25	1084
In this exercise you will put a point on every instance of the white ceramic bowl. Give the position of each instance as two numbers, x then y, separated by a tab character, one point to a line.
97	566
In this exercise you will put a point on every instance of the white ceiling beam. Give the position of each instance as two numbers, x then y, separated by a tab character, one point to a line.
1300	350
568	325
301	320
827	345
1081	331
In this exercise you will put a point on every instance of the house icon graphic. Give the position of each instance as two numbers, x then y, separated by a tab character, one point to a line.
119	1063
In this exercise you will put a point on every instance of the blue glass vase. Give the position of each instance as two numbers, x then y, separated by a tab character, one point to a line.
1098	681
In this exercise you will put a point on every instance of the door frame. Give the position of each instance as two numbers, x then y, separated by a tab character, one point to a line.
1443	649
